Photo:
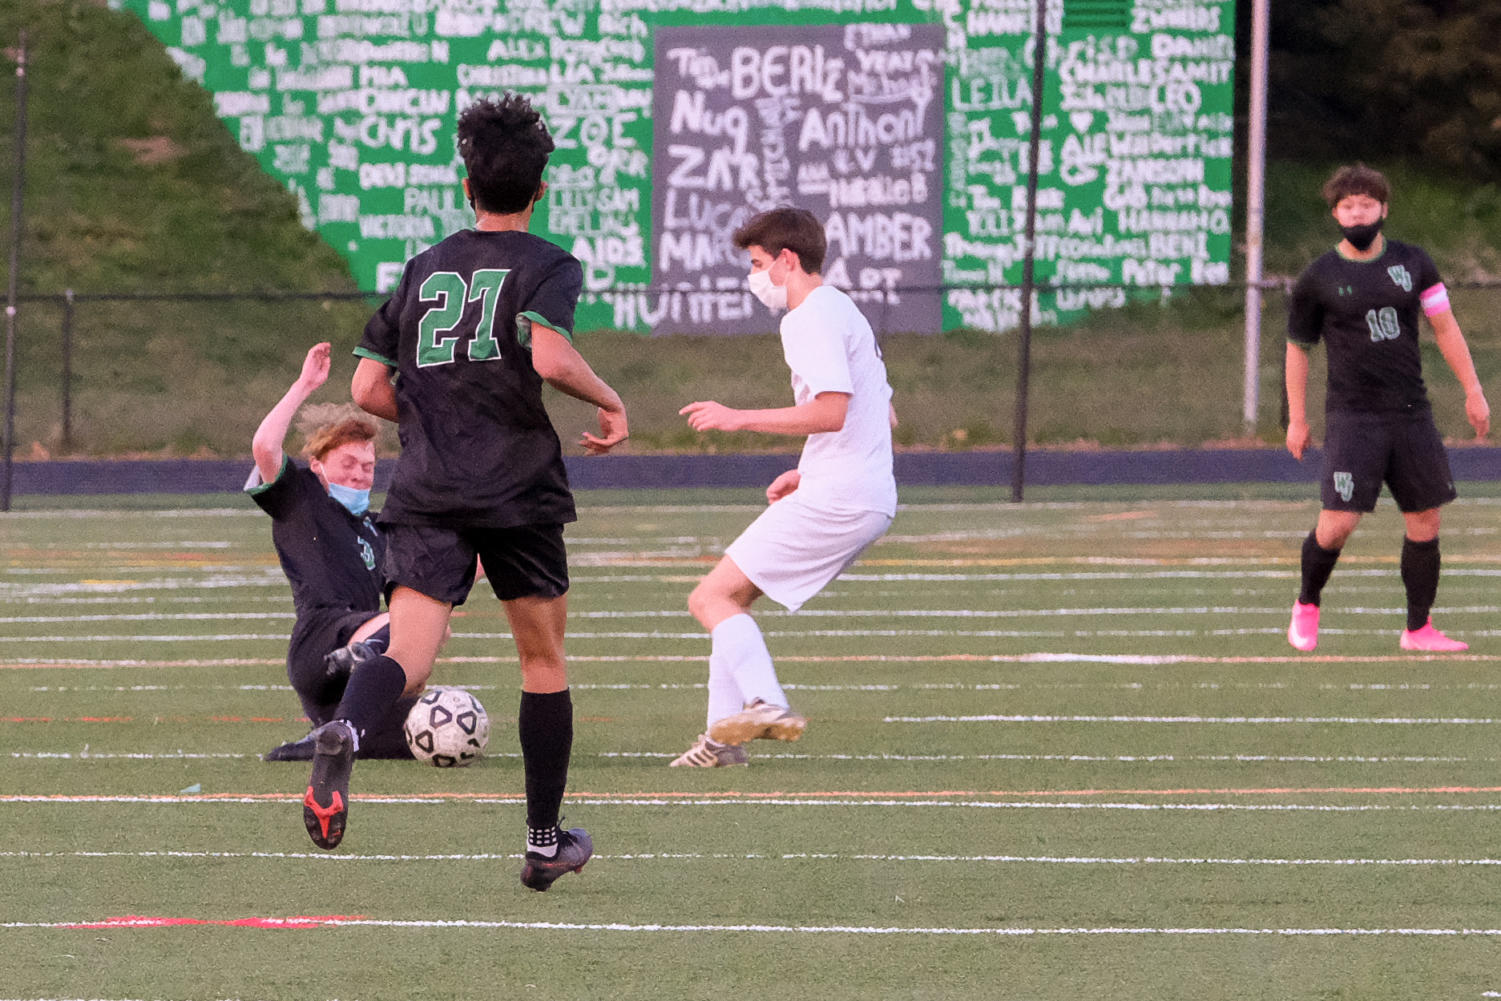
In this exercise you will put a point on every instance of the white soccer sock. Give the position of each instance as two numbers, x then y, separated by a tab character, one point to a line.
542	842
724	694
739	651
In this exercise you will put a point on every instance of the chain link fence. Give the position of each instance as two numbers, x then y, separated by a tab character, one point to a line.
188	375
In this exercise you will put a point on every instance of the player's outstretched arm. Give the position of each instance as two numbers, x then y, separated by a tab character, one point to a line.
1298	434
372	389
563	368
825	412
1452	345
266	445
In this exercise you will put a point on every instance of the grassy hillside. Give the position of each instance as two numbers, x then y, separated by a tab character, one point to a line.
133	186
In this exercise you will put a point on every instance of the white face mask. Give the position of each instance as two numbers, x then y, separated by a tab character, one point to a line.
773	296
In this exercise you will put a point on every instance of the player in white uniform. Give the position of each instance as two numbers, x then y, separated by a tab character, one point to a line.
839	499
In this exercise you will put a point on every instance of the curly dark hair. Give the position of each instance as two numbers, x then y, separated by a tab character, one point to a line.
797	230
1356	179
504	145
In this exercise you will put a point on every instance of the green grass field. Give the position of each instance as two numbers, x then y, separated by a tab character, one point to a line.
1058	750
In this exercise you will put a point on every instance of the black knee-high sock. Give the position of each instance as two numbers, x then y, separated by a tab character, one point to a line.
1420	563
373	689
545	726
1318	564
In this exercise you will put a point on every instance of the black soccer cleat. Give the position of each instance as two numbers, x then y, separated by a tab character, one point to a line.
574	849
325	805
340	662
292	750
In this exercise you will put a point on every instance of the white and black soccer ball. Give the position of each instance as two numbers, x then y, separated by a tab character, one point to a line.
447	727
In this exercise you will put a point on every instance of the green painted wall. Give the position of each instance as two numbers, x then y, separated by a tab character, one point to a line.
903	123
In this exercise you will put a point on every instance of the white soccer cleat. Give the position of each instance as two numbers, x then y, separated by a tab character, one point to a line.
759	720
709	754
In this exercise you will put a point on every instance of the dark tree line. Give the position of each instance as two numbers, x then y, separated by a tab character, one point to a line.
1380	79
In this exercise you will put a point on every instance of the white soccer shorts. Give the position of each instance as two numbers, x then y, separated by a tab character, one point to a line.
793	549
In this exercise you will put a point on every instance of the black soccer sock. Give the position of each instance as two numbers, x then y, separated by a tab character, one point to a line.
545	726
373	689
379	640
1420	563
385	739
1318	564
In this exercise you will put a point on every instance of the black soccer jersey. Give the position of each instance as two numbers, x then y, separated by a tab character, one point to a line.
1366	313
331	558
477	447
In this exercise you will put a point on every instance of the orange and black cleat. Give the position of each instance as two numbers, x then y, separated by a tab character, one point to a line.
325	806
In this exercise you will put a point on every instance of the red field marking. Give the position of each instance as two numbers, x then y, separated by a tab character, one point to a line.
146	719
1270	791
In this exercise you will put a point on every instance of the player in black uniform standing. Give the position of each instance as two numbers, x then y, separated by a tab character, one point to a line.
330	550
476	325
1362	299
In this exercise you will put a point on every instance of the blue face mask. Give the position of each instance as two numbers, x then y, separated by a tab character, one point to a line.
357	502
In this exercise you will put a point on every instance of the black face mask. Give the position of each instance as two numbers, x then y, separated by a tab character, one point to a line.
1361	237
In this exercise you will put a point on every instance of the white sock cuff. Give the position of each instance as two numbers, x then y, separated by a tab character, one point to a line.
736	628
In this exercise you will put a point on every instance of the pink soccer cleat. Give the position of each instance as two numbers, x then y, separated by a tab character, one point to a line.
1303	631
1430	640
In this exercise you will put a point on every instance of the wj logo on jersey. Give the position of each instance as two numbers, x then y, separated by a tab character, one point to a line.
1344	485
367	553
1400	276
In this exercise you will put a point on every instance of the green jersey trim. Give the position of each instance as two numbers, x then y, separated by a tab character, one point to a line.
280	472
524	323
364	352
1385	246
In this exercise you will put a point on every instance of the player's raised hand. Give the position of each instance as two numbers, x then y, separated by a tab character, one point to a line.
706	415
613	430
316	366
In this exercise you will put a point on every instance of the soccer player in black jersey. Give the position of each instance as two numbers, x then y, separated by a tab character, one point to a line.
476	325
330	550
1362	299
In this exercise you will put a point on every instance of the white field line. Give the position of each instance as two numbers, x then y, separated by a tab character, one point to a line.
150	617
664	755
1085	611
130	590
768	929
699	637
1139	660
1122	759
653	801
1358	720
1066	860
876	688
500	637
999	508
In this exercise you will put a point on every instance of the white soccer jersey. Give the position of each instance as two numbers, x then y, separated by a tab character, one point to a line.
829	346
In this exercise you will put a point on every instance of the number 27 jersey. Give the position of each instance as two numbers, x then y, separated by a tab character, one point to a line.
1366	313
477	446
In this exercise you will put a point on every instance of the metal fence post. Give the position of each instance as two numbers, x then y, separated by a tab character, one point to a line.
7	445
66	445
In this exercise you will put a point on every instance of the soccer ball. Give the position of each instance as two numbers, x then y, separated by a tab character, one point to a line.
447	727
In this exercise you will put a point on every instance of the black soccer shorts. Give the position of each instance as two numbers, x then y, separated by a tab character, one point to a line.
526	561
1404	451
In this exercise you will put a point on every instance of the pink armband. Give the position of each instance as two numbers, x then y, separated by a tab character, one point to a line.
1435	300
